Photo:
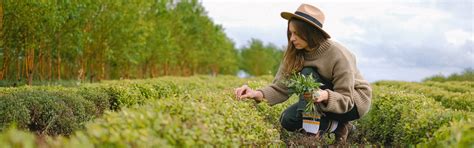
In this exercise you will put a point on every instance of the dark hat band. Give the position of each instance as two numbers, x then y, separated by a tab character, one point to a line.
310	18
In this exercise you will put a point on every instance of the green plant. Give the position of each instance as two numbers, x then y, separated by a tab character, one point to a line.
301	84
13	137
457	134
401	117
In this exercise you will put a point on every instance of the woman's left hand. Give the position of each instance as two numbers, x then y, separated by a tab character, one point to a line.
322	97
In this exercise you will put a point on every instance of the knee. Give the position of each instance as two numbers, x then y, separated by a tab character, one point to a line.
289	123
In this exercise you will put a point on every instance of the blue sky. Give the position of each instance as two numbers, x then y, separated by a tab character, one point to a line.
393	40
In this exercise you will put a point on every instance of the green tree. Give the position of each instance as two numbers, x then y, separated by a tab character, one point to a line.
259	59
98	39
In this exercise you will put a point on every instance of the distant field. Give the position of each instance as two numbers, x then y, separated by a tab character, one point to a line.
201	110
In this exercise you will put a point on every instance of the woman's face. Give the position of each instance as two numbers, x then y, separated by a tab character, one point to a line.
296	40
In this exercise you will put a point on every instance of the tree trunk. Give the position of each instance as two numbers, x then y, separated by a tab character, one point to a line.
6	62
40	66
165	68
18	67
215	70
1	16
102	73
58	64
4	70
30	58
50	64
153	70
80	73
127	70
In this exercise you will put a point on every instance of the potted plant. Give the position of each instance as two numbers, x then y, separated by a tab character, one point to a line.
306	85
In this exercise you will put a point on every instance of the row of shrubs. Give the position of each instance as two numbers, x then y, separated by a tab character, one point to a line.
55	110
208	116
453	86
195	120
458	133
400	117
449	99
201	111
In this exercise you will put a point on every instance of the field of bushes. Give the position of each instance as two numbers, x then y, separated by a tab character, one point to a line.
202	111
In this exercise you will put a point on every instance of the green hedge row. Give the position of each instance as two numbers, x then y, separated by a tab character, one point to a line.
399	117
456	134
201	111
57	110
454	100
208	116
452	86
186	121
46	111
60	110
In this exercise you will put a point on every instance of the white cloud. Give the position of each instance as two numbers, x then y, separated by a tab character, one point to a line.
458	37
402	40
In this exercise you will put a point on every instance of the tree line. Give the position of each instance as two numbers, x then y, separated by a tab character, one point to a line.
466	75
49	40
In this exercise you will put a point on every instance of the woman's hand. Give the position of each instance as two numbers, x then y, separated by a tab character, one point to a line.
322	97
247	92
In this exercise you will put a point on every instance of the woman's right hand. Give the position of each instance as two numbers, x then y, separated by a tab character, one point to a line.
245	91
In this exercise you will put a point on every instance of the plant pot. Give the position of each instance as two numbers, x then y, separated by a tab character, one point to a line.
308	95
311	122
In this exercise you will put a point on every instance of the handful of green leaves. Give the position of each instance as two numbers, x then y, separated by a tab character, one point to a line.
301	84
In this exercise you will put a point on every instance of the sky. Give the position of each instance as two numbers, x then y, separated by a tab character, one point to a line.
405	40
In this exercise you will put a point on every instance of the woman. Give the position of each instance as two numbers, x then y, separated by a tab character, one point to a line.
345	96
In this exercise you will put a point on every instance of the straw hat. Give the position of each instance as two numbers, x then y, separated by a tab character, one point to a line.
309	14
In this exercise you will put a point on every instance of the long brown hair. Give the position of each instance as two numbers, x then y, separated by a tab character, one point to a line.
293	59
